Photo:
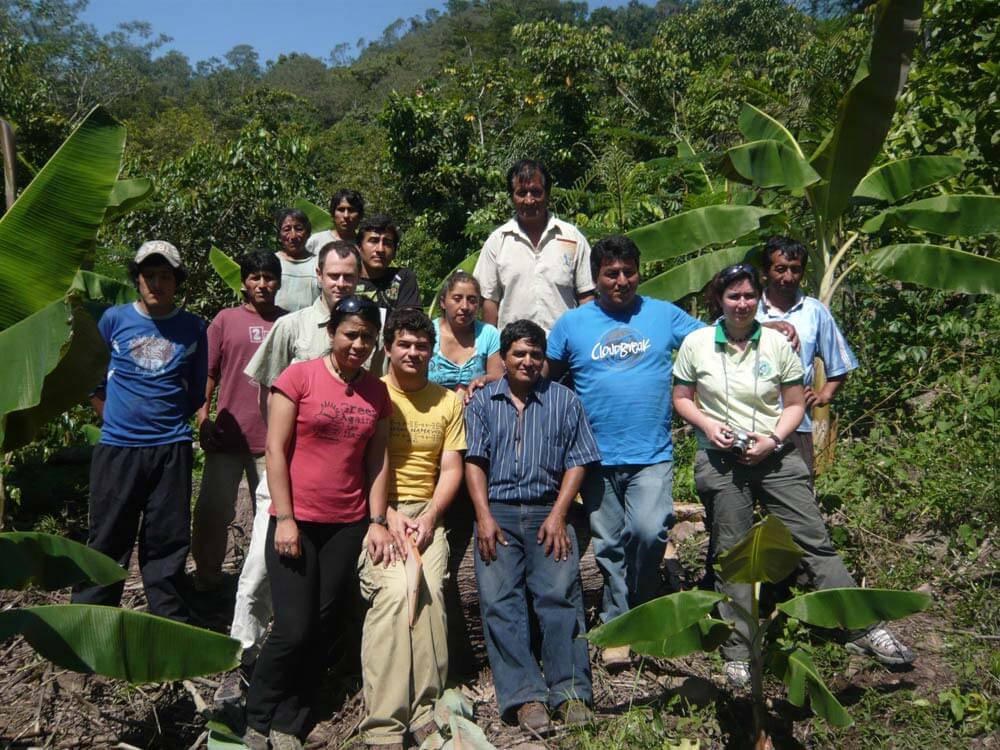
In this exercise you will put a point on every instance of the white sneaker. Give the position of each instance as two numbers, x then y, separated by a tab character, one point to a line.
882	645
738	674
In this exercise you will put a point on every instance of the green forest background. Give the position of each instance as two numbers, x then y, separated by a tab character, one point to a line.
633	110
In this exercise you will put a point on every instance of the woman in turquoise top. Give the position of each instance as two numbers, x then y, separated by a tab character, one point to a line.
467	351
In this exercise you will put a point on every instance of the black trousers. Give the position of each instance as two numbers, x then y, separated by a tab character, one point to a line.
144	491
305	592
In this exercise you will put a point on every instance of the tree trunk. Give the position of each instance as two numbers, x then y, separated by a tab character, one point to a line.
9	150
824	426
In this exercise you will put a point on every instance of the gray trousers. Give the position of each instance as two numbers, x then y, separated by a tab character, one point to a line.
781	485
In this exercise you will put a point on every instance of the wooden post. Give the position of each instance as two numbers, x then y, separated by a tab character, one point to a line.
9	148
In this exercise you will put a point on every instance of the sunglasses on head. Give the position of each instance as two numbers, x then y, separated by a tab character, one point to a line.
737	269
354	305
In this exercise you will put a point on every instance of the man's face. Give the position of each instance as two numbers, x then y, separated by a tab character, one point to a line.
530	199
378	250
157	285
409	353
784	275
261	287
338	278
616	283
523	362
346	218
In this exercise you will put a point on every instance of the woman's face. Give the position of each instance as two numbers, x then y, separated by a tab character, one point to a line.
293	235
739	302
346	218
352	342
461	304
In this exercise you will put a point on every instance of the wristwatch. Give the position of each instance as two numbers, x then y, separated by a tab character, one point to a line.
779	444
380	521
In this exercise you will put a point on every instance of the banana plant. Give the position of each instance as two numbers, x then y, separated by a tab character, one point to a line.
680	624
86	638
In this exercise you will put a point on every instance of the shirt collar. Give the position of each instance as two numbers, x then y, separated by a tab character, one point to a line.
551	227
766	306
720	333
502	390
321	311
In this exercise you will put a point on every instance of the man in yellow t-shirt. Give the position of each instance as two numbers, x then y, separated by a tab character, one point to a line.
404	667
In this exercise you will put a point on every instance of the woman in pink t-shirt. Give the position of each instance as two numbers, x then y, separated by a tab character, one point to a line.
328	426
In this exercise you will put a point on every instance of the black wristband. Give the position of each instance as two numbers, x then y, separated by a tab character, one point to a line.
380	521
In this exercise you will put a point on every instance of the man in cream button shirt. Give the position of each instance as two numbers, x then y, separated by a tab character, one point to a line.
535	266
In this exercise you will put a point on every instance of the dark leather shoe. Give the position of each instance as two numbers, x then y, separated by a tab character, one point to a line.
574	712
533	717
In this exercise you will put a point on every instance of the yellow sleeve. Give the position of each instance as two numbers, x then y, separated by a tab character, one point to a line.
454	431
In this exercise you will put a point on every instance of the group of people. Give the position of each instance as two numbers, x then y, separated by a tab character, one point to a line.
357	421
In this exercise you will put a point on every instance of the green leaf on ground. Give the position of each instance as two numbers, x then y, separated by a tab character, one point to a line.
800	675
52	562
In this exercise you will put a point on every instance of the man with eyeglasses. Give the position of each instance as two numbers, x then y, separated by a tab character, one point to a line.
296	337
619	351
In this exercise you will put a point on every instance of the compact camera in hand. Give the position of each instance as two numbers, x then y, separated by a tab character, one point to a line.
741	441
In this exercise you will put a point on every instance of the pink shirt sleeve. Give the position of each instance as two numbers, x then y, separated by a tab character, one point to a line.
215	339
291	382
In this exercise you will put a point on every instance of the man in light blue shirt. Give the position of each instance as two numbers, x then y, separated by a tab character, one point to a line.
783	300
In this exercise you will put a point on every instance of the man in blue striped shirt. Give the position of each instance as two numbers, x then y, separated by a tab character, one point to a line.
528	443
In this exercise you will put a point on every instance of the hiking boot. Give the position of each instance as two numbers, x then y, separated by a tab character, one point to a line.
882	645
533	717
574	712
422	733
738	674
617	657
254	739
283	741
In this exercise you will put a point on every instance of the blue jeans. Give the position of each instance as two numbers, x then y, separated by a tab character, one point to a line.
521	573
631	509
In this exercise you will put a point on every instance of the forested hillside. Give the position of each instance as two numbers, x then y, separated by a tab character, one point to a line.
633	110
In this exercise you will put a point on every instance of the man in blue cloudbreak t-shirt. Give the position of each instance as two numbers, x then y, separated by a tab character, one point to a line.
142	467
619	351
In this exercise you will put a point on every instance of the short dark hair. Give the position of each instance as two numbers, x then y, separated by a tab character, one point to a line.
342	249
353	198
349	307
610	249
154	260
789	248
380	223
523	170
258	261
293	213
521	329
725	279
411	319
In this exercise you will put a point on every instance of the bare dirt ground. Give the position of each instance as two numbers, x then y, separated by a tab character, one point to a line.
42	706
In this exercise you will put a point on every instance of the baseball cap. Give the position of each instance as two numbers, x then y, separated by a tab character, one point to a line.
159	247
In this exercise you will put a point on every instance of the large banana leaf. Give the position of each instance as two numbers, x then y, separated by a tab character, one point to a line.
52	562
800	675
766	553
896	180
706	634
49	362
693	275
53	225
98	288
768	164
319	217
127	195
866	111
227	268
757	125
692	230
940	268
695	172
655	620
120	643
854	608
950	215
467	265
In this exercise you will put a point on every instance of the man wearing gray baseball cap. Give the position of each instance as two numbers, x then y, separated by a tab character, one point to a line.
140	474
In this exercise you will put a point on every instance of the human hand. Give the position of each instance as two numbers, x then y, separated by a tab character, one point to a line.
553	535
814	399
473	386
720	435
421	528
787	330
760	447
399	528
286	538
488	535
382	546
